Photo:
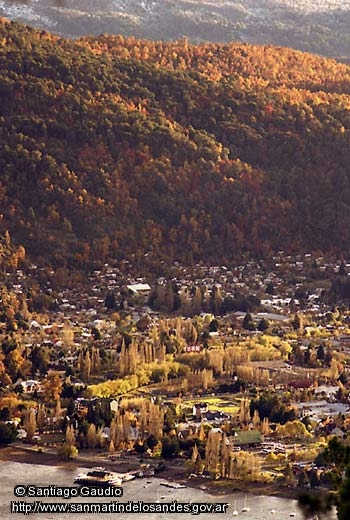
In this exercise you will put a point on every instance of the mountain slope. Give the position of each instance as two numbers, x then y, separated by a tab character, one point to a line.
114	147
309	25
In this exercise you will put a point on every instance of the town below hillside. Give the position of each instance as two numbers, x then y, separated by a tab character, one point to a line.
238	373
174	269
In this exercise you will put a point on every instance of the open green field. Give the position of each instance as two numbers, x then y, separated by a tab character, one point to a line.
222	403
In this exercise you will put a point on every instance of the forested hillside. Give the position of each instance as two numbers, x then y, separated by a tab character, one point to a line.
317	26
113	147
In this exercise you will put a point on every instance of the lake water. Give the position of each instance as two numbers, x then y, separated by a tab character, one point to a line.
12	473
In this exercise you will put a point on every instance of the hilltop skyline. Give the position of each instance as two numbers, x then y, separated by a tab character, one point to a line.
320	27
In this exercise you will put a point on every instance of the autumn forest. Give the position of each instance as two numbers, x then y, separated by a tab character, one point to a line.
117	147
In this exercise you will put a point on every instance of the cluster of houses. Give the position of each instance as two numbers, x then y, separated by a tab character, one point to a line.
81	318
80	312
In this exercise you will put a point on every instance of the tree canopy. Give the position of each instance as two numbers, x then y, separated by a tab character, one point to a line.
116	147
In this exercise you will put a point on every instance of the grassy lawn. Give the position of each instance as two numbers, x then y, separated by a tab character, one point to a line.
52	438
223	404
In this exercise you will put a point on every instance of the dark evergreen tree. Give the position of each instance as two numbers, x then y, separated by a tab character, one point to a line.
170	447
248	322
110	302
7	433
343	506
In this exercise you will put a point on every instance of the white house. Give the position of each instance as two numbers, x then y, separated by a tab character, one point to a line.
30	386
139	288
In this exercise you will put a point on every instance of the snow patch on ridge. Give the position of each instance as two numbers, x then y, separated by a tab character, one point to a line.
24	13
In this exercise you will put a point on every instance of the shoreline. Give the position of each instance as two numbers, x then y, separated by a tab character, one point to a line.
30	455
